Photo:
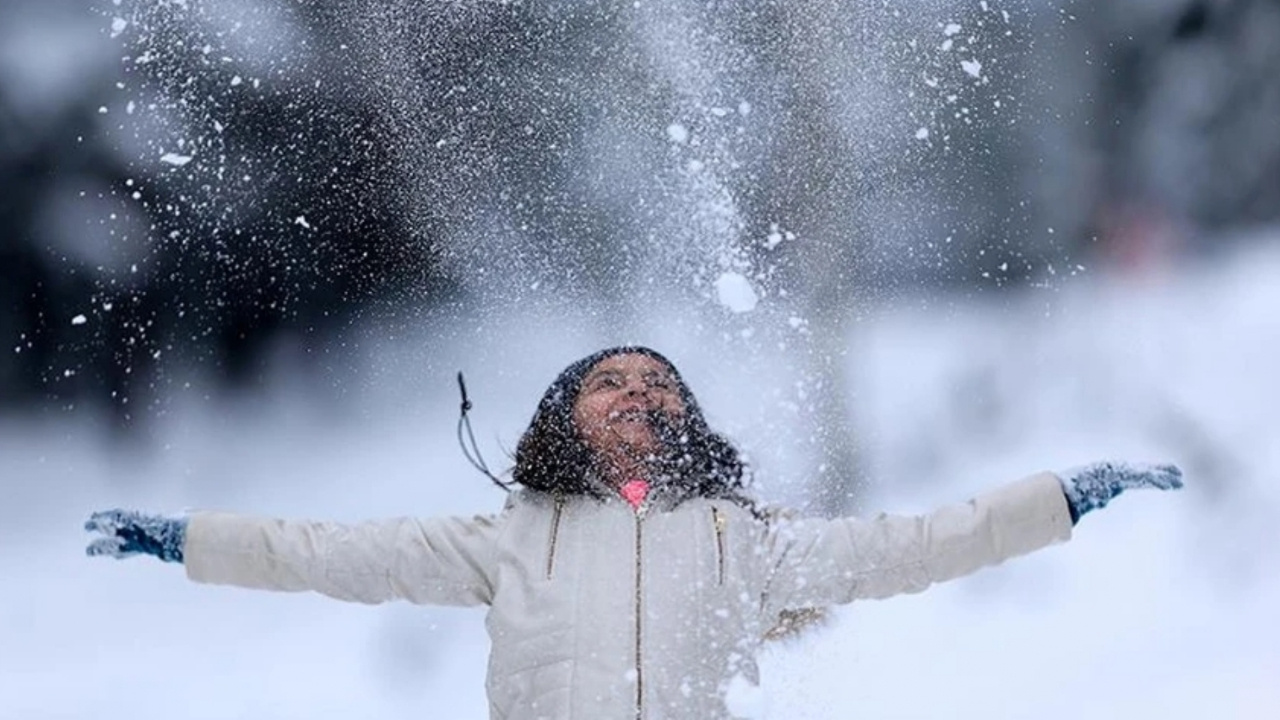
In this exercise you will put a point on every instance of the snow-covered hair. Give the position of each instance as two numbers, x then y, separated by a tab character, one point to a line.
552	456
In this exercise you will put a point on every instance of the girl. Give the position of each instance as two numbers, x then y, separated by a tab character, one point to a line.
630	575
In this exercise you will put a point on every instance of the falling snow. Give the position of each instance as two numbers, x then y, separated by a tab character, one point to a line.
175	159
735	293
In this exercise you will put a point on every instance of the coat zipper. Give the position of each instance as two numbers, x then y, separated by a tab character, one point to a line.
639	614
555	534
718	520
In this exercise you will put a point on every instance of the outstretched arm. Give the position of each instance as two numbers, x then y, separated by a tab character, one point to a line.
822	562
432	561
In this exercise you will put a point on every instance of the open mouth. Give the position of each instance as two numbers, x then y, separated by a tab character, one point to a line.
633	415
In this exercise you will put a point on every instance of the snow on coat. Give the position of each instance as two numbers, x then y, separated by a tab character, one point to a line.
597	611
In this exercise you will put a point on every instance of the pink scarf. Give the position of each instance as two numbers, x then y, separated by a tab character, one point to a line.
634	491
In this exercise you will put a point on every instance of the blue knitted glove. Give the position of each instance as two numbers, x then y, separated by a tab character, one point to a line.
131	533
1089	487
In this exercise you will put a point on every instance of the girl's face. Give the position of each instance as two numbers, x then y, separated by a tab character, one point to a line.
614	407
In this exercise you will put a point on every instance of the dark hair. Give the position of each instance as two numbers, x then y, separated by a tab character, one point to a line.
552	456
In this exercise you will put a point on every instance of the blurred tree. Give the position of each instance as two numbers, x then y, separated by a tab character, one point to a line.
1180	101
272	212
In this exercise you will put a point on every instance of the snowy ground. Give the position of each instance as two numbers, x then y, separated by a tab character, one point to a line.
1162	606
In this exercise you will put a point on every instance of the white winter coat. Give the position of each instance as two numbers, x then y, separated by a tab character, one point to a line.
597	612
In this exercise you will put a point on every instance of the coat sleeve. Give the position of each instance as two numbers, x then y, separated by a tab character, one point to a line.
442	561
815	562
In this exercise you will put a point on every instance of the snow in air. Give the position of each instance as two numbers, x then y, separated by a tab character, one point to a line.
735	293
175	159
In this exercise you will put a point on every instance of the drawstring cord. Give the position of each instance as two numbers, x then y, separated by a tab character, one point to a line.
464	422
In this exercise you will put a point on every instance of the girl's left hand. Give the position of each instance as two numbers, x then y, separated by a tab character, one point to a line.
1089	487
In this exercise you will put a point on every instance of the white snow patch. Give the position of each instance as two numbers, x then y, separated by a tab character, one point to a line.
922	133
677	133
118	25
776	236
973	67
951	29
175	159
744	699
735	292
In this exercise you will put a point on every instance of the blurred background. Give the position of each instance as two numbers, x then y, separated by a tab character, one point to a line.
902	254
